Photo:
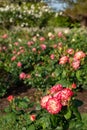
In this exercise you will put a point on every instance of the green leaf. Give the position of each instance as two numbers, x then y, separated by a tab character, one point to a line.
31	127
59	128
76	112
24	128
68	114
38	107
64	73
78	75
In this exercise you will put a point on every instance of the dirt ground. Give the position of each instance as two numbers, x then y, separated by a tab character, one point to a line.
33	95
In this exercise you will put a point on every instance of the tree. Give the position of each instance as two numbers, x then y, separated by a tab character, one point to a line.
76	10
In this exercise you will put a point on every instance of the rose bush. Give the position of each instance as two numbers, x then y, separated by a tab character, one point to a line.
40	61
57	109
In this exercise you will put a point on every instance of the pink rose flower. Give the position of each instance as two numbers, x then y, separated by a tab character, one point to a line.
60	44
16	43
19	64
18	53
13	58
66	94
56	88
52	56
60	34
10	98
28	76
5	36
57	95
73	85
44	101
32	117
53	106
22	75
70	51
55	46
22	51
76	64
42	39
79	55
34	49
63	60
30	43
4	48
43	46
21	47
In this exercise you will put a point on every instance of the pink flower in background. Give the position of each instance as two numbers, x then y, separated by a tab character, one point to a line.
43	46
22	51
56	88
5	36
16	43
30	43
60	45
70	51
22	75
44	100
13	58
52	37
18	53
52	56
76	64
34	49
32	117
55	46
19	64
21	47
63	60
42	39
60	34
10	98
4	48
53	106
28	76
79	55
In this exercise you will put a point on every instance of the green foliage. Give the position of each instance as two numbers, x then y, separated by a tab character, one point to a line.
41	65
22	114
26	15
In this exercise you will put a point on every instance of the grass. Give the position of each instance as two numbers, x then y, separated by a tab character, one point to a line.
84	119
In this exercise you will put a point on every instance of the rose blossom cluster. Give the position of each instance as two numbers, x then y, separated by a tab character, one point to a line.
76	59
57	98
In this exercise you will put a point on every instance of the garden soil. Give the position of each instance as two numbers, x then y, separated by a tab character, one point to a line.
34	95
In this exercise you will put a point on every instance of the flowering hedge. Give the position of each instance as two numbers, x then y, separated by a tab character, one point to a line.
29	14
41	61
25	15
